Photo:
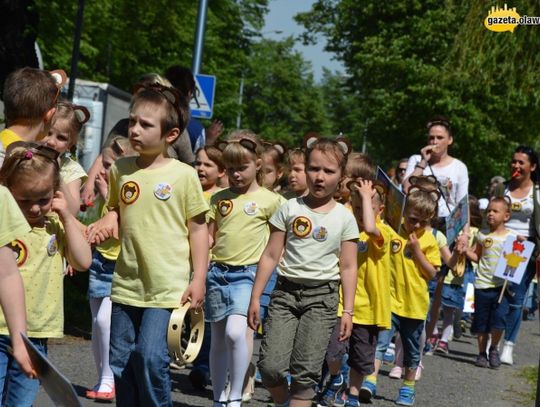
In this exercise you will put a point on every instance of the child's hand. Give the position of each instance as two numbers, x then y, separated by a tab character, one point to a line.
102	230
365	188
462	243
88	194
253	314
413	244
60	205
345	327
520	238
195	294
20	353
102	186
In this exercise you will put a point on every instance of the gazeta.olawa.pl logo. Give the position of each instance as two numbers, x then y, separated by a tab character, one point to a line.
507	19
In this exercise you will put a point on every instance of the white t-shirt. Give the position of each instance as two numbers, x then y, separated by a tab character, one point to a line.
313	240
453	180
492	246
521	214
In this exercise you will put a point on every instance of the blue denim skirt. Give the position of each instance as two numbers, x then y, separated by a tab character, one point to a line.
453	296
228	290
100	276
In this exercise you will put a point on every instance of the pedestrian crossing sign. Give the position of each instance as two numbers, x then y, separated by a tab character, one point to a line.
202	102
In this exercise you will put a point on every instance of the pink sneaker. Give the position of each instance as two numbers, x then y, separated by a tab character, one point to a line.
395	372
419	371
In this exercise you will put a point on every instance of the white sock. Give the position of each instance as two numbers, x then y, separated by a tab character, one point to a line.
448	319
238	355
101	332
218	360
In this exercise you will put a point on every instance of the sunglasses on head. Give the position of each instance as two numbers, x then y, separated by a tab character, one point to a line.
443	123
244	142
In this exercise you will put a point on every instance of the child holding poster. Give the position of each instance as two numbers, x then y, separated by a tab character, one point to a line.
489	316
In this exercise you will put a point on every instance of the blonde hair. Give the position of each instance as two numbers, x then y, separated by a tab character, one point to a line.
422	202
235	153
26	163
359	165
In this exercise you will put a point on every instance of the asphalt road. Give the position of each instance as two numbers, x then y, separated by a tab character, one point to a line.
451	380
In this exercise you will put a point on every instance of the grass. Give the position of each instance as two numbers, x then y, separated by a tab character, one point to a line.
530	374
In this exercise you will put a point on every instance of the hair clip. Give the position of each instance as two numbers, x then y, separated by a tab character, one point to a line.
168	92
81	113
28	155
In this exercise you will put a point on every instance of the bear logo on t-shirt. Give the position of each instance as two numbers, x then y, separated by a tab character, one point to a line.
224	207
20	251
129	192
301	226
488	242
395	245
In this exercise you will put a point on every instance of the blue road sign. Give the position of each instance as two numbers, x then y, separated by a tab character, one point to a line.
202	103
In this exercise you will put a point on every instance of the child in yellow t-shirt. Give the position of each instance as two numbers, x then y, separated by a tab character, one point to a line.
159	206
30	97
415	259
31	173
239	226
371	312
13	225
63	136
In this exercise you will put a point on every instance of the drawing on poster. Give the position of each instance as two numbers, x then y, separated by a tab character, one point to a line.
514	259
395	201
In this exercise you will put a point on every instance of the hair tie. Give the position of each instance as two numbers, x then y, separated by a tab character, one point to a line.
28	155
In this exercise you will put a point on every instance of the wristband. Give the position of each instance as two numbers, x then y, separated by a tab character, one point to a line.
419	166
348	311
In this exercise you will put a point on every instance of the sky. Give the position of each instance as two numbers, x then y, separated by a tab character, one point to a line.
280	18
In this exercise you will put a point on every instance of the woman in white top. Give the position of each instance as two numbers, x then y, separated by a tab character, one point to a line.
520	190
434	159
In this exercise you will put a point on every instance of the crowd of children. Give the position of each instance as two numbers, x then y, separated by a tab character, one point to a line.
293	242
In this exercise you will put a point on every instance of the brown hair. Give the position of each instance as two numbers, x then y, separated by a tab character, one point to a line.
175	114
296	155
502	200
235	153
215	155
423	202
65	110
329	147
359	165
29	93
120	147
440	120
27	162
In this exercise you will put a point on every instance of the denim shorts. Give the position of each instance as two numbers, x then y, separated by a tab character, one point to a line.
100	276
453	296
228	290
489	315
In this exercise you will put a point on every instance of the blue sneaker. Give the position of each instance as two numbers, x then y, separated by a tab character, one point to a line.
406	397
331	392
367	391
258	378
341	398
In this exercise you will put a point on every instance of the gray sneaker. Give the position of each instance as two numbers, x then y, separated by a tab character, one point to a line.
494	359
481	360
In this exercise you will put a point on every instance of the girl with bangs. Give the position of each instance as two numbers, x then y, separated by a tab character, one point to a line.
239	227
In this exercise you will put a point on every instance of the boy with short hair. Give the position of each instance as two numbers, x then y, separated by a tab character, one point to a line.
30	96
159	204
415	259
489	314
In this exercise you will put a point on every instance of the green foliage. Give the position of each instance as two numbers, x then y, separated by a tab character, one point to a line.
281	101
409	60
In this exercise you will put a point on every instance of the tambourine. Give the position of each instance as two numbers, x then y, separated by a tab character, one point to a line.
182	348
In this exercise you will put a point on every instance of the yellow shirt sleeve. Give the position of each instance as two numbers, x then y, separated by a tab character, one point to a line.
12	222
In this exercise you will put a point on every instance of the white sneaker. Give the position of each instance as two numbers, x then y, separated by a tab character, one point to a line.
506	354
419	371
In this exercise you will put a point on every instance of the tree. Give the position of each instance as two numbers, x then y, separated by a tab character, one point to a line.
408	60
281	100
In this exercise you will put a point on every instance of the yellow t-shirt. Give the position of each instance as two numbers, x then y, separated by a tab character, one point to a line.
110	248
12	222
408	287
7	137
153	267
71	170
39	255
372	298
242	224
